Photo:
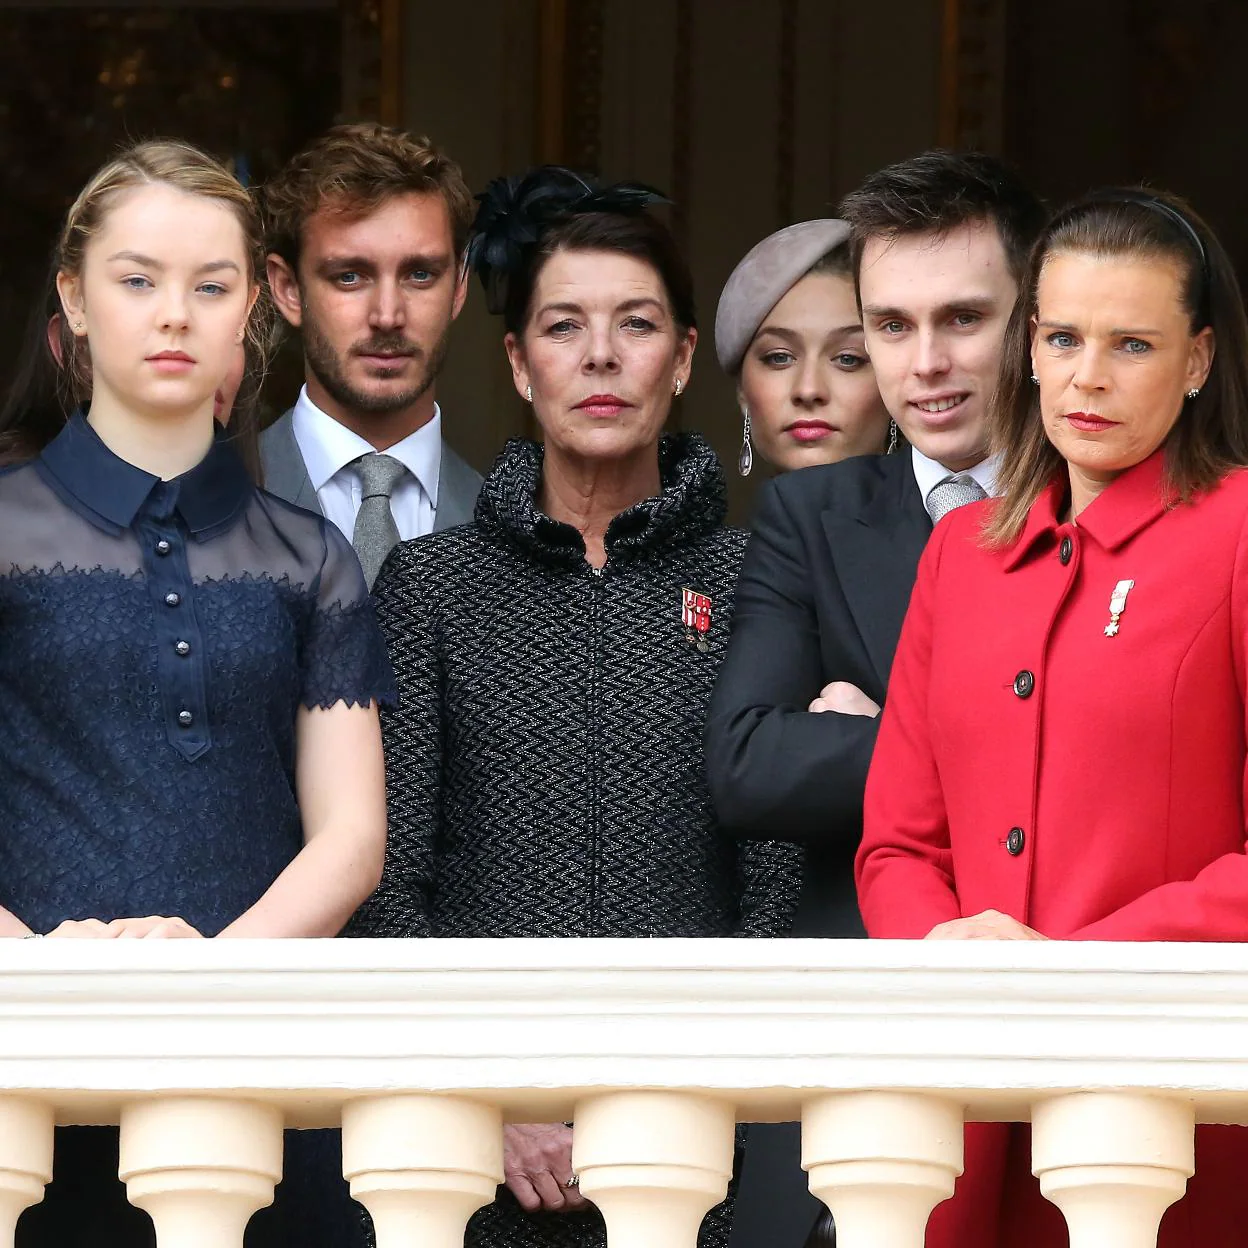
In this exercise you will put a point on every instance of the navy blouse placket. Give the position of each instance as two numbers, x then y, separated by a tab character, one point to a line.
180	644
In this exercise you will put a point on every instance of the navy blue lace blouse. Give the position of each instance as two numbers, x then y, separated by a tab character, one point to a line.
156	641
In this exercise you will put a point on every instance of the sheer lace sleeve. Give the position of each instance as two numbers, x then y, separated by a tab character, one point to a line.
343	654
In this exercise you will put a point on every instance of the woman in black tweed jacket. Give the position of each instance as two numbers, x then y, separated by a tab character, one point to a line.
555	658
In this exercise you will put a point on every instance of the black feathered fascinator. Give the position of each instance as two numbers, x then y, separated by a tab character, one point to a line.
515	212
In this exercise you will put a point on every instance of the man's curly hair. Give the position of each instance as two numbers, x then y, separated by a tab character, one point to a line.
353	169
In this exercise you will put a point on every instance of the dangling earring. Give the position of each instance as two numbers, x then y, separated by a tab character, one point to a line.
1191	394
680	385
528	393
892	436
745	461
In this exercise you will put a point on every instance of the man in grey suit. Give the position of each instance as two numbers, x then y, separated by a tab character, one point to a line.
367	230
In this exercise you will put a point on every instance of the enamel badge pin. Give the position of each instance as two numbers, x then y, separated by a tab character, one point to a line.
1117	605
695	615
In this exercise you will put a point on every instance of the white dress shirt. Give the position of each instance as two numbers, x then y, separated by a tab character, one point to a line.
929	474
329	449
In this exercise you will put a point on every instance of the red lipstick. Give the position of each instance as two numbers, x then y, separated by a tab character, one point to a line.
1088	422
603	405
809	430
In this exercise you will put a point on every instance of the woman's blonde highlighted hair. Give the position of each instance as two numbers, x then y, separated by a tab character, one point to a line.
157	162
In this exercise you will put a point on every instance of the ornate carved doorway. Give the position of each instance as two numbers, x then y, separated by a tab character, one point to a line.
249	81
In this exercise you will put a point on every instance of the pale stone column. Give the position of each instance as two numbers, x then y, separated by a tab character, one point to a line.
200	1166
881	1161
653	1163
1113	1163
421	1165
26	1129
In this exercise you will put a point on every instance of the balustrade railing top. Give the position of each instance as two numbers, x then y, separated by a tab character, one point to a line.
535	1024
204	1051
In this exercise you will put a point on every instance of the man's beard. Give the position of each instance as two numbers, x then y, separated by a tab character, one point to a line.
329	369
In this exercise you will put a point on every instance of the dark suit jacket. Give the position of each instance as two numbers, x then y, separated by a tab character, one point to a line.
822	595
286	475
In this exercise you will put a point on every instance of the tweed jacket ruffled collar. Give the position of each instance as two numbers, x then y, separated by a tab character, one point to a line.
692	502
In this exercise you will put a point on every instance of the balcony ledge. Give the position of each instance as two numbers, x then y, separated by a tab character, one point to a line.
536	1025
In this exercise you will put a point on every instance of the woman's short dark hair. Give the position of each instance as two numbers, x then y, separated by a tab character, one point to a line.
1211	435
939	191
525	220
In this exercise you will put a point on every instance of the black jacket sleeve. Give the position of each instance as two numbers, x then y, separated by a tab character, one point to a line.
776	770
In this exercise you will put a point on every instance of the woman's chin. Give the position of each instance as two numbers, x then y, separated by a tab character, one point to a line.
805	455
613	441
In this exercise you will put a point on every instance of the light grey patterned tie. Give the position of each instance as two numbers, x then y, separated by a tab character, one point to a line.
954	491
376	533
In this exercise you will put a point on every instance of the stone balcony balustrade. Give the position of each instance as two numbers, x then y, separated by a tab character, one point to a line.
204	1051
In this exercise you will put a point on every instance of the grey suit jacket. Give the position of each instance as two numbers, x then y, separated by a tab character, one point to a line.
286	475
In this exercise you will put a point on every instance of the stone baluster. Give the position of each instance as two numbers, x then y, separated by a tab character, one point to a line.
26	1129
881	1161
200	1166
653	1163
1113	1163
421	1165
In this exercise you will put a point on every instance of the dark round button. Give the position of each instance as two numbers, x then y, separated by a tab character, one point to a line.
1024	683
163	547
172	598
1066	550
186	719
1015	841
182	647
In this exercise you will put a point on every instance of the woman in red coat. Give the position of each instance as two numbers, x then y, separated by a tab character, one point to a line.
1063	753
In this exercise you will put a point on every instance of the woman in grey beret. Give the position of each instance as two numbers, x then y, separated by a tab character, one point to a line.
788	330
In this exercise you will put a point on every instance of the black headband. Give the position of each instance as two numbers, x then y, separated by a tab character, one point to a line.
1152	202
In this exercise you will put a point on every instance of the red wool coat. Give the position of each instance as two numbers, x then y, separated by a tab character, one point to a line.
1090	785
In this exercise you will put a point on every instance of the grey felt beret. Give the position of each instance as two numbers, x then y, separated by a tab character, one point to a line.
763	278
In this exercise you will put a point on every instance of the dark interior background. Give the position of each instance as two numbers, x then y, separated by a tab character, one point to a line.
751	113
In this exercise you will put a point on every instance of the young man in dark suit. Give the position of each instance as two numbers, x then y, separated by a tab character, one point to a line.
939	243
367	231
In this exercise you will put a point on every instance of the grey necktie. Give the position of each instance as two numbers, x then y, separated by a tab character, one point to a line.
954	491
376	533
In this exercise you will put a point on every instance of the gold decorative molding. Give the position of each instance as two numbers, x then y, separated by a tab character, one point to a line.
552	46
372	71
972	74
570	41
582	83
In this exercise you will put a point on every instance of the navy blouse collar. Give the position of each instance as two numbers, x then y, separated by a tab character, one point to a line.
106	488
